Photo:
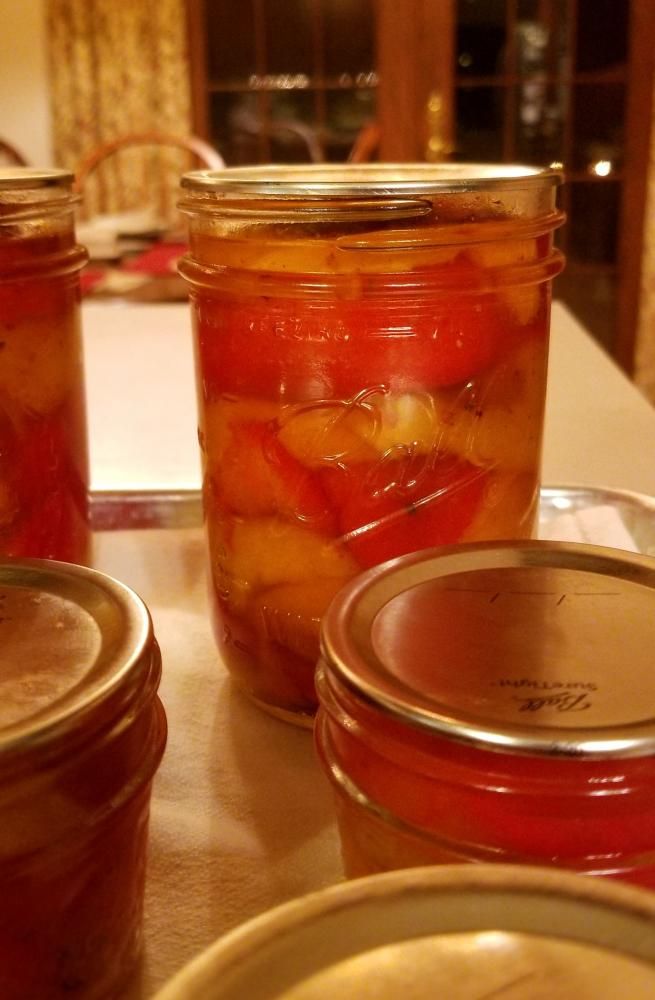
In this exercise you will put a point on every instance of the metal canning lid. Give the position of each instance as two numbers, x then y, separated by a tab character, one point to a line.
29	178
521	647
465	932
75	646
388	180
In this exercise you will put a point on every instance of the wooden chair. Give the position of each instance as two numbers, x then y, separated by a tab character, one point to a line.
140	170
366	144
11	156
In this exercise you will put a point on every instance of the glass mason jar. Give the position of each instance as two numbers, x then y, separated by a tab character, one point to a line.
43	445
371	349
82	732
494	702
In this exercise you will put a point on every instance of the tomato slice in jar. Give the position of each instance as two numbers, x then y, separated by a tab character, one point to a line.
326	347
404	503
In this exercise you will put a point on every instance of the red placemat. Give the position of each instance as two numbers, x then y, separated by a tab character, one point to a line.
161	258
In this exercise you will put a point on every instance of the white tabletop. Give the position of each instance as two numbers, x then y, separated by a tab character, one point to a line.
142	406
242	816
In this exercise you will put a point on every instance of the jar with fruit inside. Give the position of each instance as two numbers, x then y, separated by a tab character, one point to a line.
43	445
371	348
492	702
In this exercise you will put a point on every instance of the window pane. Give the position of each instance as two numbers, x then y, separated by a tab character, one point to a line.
347	112
230	54
541	99
235	119
289	37
479	120
591	296
602	34
598	113
593	221
540	112
348	36
480	43
541	39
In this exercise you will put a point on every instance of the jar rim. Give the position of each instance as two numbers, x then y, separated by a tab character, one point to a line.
537	648
30	178
89	653
383	180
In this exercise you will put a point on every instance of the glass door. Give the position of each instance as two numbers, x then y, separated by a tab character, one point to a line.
284	80
535	81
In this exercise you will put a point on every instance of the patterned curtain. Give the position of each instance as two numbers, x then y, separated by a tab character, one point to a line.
645	349
119	66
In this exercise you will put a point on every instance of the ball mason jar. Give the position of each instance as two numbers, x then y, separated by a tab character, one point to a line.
371	347
43	444
82	732
494	702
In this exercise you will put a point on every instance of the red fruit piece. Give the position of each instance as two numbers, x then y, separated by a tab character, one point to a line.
259	476
50	496
450	329
404	503
33	299
45	530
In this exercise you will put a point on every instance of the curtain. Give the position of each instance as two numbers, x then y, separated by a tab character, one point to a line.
645	347
118	66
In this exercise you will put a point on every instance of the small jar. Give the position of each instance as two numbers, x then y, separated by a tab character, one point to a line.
82	732
371	347
459	931
43	443
494	703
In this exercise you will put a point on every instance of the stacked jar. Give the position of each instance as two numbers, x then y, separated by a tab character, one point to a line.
371	349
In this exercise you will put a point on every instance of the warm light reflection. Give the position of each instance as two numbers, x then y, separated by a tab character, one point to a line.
562	503
496	941
602	168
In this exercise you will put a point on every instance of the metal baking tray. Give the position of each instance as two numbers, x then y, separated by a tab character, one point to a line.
594	511
600	515
128	510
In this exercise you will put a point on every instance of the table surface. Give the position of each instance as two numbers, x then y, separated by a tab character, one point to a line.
599	428
241	815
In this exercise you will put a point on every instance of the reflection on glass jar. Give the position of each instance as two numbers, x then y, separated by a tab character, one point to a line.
43	448
371	357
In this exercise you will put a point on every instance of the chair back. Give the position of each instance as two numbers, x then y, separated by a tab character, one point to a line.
140	171
366	146
11	156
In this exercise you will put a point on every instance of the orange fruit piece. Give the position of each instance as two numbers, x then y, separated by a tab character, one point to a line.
267	551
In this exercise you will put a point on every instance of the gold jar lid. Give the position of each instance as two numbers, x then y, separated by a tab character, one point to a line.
28	178
465	193
77	651
27	193
522	647
465	932
380	180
